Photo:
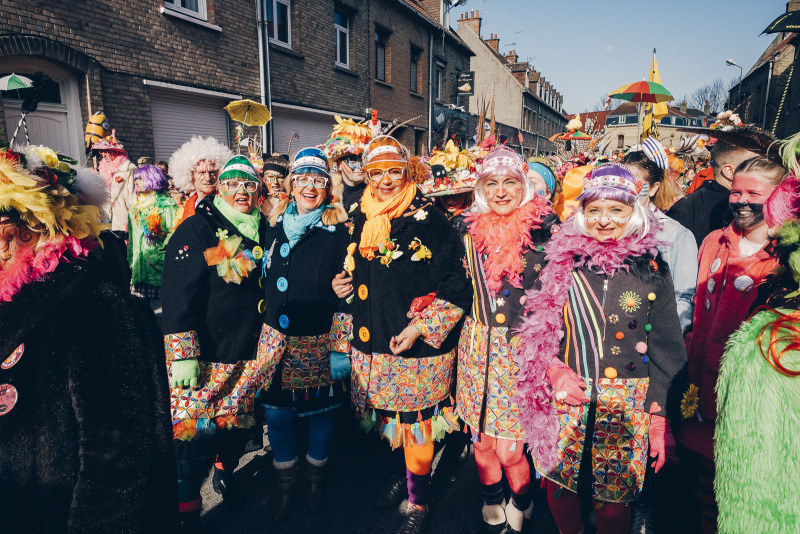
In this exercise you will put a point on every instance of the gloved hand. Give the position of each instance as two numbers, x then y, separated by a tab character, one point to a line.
340	365
661	439
567	385
184	373
419	304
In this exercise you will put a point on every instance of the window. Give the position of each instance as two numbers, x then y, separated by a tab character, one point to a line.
413	70
680	121
193	8
49	91
620	141
631	119
278	22
611	121
341	26
439	82
381	41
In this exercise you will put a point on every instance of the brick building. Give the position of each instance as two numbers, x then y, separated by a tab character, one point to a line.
161	70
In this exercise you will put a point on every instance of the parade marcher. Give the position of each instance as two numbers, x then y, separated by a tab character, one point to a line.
757	391
344	150
603	330
195	170
152	218
678	247
274	171
211	318
403	248
450	182
733	262
504	230
118	171
540	171
84	424
302	330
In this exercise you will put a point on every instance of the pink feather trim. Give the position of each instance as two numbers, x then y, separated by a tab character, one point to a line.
31	267
503	239
543	326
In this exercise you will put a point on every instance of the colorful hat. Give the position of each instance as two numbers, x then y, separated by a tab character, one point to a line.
348	139
310	160
109	143
238	168
503	160
451	172
384	152
543	168
610	178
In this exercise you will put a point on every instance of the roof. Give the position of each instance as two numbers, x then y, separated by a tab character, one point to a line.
775	47
598	117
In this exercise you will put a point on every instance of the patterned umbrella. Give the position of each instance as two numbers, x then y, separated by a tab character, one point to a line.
14	81
650	92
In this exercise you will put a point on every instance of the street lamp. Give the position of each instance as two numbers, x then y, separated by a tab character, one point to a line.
732	63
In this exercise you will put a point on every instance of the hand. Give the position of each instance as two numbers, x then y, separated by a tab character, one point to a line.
659	436
404	340
184	373
419	304
340	365
342	285
567	385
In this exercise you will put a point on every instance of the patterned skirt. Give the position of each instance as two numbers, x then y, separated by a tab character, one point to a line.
619	440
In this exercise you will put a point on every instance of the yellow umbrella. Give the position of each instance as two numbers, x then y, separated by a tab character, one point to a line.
248	112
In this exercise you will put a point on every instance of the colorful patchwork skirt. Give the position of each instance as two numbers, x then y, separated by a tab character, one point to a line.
407	400
619	441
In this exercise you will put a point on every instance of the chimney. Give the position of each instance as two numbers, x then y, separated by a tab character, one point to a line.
471	19
684	106
493	41
792	5
512	56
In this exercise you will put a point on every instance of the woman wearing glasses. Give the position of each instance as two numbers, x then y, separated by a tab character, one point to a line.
303	336
403	250
274	170
211	319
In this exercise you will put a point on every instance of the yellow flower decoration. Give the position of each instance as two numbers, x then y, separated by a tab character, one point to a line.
689	402
630	301
47	155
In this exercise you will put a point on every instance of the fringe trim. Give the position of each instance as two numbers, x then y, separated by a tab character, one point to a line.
422	432
189	429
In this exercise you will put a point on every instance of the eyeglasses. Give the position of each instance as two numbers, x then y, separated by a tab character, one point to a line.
232	186
272	178
395	174
310	180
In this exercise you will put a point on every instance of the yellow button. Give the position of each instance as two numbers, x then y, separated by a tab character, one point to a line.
262	306
363	334
651	297
610	372
258	252
500	318
363	292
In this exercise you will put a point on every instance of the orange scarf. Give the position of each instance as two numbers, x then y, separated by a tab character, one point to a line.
379	216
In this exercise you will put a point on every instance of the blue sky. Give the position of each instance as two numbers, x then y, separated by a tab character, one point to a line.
587	48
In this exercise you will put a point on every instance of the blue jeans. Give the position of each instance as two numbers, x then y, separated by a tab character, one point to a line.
280	429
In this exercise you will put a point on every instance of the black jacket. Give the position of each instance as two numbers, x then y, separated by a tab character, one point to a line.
88	445
389	288
225	315
703	211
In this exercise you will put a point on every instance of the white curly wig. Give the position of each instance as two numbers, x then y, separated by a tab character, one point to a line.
186	157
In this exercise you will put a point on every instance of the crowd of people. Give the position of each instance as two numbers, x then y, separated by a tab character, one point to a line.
575	325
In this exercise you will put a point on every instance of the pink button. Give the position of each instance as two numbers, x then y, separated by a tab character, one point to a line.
8	398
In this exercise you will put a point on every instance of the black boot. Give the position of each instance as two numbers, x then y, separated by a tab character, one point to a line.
189	522
283	499
392	493
414	520
223	484
316	480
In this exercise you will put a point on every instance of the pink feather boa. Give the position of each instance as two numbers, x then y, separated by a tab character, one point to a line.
543	326
34	266
503	239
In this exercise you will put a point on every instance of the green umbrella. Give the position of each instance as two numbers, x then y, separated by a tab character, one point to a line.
14	81
651	92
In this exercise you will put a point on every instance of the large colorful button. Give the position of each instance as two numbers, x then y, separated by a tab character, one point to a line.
8	398
619	335
12	360
285	249
283	321
363	292
500	318
258	252
743	283
641	347
715	265
506	292
262	306
283	284
648	327
610	372
363	334
651	297
712	284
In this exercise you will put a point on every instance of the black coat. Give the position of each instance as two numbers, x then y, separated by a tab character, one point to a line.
390	288
88	445
225	315
704	210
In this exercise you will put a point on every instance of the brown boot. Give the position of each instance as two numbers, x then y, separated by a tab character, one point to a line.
286	475
316	480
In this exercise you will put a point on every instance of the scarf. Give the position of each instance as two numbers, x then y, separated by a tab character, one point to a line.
503	239
379	216
543	326
295	225
246	223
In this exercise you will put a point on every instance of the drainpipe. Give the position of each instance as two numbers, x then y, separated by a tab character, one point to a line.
266	89
430	90
766	95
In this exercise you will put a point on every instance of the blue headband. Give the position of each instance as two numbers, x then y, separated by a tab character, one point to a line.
545	173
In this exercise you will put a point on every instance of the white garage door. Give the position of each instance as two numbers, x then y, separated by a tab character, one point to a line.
312	128
177	116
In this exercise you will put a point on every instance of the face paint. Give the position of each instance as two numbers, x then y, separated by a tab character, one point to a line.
747	214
